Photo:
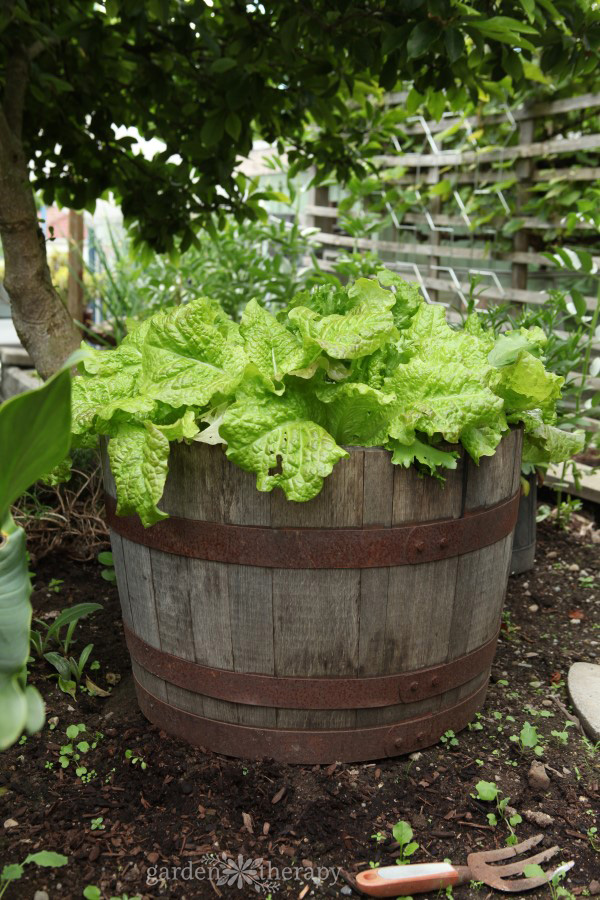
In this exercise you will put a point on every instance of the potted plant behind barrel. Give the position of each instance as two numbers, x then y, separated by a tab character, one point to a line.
353	613
565	335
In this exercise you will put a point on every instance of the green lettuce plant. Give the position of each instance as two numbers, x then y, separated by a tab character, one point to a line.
368	364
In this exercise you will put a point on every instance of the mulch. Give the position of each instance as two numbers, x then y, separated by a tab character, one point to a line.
127	825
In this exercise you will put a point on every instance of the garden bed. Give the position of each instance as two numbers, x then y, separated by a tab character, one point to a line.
186	805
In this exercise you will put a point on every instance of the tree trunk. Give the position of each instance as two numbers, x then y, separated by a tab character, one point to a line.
43	324
42	321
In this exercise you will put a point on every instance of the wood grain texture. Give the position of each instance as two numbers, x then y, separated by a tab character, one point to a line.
320	623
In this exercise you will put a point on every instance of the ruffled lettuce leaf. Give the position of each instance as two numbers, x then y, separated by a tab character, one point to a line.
272	347
511	344
525	384
408	297
189	355
280	437
544	444
356	414
436	398
424	453
366	326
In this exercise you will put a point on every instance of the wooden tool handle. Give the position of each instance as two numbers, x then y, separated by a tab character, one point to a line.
401	881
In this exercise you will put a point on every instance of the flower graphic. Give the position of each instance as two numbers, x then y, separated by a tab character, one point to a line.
241	872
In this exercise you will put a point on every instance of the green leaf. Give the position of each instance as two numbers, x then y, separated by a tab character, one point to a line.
403	833
105	558
48	859
529	736
486	791
357	415
189	355
35	436
224	64
455	43
526	385
91	892
272	347
368	325
279	438
419	451
421	38
233	125
11	872
139	457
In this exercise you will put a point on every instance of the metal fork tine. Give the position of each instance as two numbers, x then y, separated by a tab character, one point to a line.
523	884
516	868
508	852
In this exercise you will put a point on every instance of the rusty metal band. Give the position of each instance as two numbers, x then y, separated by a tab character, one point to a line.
311	693
321	548
310	747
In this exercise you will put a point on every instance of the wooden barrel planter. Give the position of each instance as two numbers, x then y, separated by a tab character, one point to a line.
359	625
524	543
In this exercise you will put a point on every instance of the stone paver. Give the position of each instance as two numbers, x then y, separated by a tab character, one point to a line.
584	689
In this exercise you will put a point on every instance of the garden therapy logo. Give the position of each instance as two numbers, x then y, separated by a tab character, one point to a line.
240	873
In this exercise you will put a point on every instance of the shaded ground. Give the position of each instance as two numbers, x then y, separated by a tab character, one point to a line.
123	822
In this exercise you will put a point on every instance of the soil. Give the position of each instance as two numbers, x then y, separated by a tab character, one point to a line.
134	816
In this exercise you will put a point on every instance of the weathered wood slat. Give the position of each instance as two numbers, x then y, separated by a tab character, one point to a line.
327	623
553	147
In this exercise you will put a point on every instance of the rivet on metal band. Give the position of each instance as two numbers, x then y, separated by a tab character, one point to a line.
310	747
321	548
310	692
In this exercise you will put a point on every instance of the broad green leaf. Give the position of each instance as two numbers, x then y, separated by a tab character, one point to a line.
139	463
437	398
368	325
403	833
525	385
47	858
13	710
357	415
486	791
280	439
35	436
529	735
272	347
544	444
481	440
189	356
11	872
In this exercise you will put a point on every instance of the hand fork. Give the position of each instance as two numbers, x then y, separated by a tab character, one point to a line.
401	881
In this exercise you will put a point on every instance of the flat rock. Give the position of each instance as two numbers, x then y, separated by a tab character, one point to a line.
584	689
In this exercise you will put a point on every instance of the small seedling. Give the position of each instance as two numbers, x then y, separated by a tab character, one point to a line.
108	566
403	834
556	890
68	619
14	871
528	739
135	760
378	837
55	585
449	738
490	793
98	824
594	838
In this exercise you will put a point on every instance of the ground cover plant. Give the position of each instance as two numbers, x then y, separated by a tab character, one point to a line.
368	364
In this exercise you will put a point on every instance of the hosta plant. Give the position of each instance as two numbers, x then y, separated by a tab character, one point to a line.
368	364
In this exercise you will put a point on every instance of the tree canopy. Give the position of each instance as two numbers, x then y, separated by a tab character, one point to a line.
207	77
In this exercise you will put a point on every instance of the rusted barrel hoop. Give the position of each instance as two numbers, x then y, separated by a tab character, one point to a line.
343	744
321	548
311	693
